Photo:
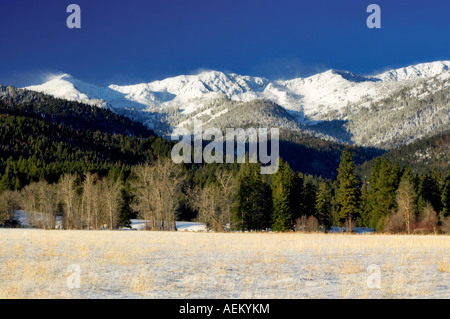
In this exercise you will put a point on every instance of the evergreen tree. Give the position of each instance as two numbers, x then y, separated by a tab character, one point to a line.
396	175
282	185
348	195
297	197
324	207
382	195
253	200
309	198
125	212
446	199
429	191
334	203
4	184
365	206
407	174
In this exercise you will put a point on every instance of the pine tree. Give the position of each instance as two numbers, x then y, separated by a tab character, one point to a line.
334	203
282	184
297	197
429	191
446	199
309	198
365	206
348	192
407	174
369	196
383	194
4	183
124	218
324	207
253	200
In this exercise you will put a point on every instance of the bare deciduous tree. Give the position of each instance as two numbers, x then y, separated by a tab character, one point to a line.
312	224
206	201
394	223
300	223
110	196
228	183
8	205
29	202
430	218
40	202
69	198
156	191
89	206
168	187
48	204
445	228
142	190
406	198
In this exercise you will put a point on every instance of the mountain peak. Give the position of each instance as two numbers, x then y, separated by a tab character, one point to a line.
67	87
58	77
421	70
312	96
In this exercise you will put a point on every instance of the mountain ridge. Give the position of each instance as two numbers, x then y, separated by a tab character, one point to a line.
333	95
228	84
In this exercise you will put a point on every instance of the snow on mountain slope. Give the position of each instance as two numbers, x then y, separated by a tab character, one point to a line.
63	86
179	90
330	90
67	87
326	96
311	96
423	70
306	96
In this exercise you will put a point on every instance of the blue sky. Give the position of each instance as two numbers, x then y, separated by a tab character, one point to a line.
140	41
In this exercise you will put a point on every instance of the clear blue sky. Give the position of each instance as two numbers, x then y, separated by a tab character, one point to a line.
139	41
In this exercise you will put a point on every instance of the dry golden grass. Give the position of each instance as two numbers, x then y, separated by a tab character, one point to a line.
444	266
139	264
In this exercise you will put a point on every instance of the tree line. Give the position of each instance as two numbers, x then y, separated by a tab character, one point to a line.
239	198
392	200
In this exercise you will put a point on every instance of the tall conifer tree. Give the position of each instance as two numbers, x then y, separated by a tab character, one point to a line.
282	186
324	207
348	192
253	200
445	197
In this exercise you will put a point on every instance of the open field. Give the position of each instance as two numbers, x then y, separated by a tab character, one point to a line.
140	264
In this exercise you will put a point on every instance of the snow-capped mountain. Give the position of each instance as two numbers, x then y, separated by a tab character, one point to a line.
177	100
423	70
65	86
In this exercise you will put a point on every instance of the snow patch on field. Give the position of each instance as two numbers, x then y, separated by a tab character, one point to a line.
139	224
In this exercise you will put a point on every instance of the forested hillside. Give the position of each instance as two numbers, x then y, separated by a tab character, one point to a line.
77	115
421	156
42	138
305	151
413	112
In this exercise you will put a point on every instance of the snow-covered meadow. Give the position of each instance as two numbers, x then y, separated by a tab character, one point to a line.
143	264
